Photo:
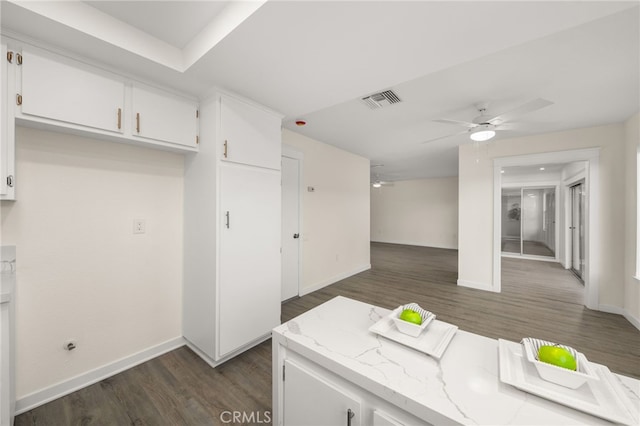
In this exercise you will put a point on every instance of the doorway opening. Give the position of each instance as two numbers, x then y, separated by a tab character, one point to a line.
529	222
576	166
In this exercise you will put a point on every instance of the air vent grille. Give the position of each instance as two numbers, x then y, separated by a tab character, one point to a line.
382	99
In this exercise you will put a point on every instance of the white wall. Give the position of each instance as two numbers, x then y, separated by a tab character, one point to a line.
421	212
335	218
631	285
82	273
475	263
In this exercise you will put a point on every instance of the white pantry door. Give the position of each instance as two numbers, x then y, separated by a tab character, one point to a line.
290	227
249	289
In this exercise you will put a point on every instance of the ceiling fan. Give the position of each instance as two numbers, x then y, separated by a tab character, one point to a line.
483	127
376	182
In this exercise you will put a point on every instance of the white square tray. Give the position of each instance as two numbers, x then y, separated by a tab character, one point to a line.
433	341
602	398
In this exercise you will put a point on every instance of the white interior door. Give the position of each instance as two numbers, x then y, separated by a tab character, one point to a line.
249	289
290	227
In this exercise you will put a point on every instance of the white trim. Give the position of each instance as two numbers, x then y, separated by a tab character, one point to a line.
213	363
60	389
621	311
477	285
497	230
334	279
637	206
592	233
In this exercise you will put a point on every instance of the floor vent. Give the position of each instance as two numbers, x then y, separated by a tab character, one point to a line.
382	99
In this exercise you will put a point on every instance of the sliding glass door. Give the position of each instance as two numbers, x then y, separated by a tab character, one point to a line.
528	221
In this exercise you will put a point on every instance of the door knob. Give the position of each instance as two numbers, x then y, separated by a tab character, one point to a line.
296	235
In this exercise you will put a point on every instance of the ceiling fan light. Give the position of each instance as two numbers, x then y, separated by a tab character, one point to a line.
482	134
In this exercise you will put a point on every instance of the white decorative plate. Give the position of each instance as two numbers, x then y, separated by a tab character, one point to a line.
603	398
433	341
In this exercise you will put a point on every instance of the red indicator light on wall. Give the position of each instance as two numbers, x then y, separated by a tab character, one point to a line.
300	123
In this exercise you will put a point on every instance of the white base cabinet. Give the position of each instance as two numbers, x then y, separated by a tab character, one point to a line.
313	401
307	394
231	287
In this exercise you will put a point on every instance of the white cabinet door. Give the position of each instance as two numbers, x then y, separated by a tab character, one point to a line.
249	135
7	126
70	92
164	117
249	270
309	400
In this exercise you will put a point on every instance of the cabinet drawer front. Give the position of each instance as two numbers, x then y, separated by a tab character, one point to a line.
72	94
163	117
249	134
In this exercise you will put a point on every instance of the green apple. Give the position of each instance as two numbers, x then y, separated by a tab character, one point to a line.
410	315
557	356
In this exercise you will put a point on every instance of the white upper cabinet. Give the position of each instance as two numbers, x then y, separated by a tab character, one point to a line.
160	116
7	127
249	135
55	91
70	92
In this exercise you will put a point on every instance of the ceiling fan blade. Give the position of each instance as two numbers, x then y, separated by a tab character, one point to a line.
526	108
457	123
447	136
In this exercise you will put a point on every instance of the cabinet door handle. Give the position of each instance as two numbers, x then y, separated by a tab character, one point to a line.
227	215
119	118
296	235
138	122
225	149
10	181
350	415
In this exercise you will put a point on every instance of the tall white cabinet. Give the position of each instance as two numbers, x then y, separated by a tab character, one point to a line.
232	229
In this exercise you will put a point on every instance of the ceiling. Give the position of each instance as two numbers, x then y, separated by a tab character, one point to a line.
315	60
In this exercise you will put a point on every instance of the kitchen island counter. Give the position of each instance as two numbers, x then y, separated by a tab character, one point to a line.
333	344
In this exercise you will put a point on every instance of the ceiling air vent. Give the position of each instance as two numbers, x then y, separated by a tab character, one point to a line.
382	99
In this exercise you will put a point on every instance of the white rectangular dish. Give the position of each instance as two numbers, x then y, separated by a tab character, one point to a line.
602	398
433	341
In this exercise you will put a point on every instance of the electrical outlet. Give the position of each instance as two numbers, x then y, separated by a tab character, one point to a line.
139	226
70	345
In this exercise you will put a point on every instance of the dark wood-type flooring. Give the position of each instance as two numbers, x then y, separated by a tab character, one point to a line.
538	299
534	248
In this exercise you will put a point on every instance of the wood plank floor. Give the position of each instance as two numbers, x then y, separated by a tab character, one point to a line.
539	299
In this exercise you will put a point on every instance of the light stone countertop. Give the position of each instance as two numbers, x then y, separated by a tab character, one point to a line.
463	387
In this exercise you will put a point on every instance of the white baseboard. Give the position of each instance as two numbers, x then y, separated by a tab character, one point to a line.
476	285
213	363
620	311
334	279
73	384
